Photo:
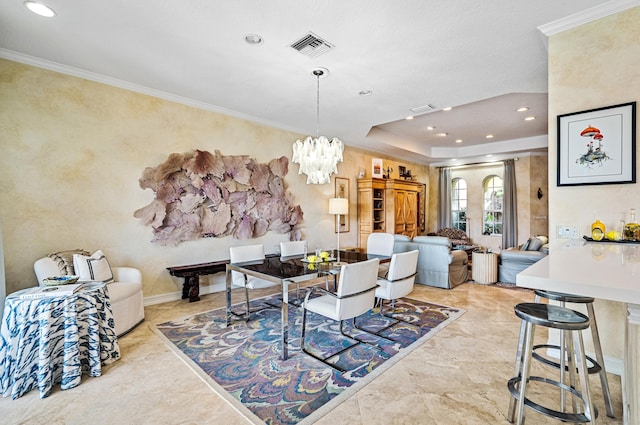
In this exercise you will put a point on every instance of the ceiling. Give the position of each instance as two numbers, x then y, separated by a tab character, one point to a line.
484	59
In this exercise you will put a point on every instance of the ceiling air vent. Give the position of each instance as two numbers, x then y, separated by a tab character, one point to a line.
311	45
421	109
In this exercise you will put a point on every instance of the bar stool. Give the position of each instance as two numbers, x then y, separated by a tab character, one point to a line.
598	364
571	323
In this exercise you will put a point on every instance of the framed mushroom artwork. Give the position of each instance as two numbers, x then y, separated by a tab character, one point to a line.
597	146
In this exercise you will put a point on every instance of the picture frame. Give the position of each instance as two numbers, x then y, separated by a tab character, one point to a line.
341	191
376	168
597	146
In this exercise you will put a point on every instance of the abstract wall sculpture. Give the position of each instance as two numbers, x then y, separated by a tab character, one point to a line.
203	195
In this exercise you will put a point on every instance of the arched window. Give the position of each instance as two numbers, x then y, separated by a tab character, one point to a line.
492	206
459	204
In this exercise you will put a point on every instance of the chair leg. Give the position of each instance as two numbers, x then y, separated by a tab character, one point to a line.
303	345
569	351
246	301
589	409
604	383
391	316
367	332
247	311
518	370
526	367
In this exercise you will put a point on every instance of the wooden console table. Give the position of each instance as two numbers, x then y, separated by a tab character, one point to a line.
191	274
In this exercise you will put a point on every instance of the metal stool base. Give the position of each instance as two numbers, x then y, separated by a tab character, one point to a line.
595	367
571	324
514	389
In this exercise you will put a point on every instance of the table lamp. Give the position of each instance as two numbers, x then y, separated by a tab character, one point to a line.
338	206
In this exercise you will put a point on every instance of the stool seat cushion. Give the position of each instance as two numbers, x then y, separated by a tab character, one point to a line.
552	316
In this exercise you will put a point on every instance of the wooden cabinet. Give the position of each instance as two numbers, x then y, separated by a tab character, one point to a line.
405	212
371	208
387	205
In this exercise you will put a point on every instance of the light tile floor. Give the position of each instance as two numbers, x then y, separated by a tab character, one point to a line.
457	377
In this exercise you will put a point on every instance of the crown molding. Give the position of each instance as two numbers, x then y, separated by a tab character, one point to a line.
114	82
586	16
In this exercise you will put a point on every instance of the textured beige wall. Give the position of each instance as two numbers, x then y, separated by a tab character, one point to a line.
539	208
577	83
72	152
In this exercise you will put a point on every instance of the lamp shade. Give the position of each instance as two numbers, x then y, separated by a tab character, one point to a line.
339	206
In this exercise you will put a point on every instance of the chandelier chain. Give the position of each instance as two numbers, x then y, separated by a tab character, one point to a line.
318	157
318	74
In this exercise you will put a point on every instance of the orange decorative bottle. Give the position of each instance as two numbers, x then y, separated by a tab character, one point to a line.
597	230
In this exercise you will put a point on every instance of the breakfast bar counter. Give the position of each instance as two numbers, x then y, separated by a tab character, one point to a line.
607	271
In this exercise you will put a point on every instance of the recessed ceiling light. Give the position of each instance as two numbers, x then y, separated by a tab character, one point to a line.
442	134
431	128
459	141
410	117
489	156
253	39
522	109
489	136
530	118
448	108
454	159
365	93
40	9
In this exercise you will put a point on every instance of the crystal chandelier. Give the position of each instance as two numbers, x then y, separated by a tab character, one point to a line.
318	156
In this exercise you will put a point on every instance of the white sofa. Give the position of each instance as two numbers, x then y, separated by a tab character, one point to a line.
438	265
125	292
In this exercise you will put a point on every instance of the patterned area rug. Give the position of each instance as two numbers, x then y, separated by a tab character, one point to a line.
243	364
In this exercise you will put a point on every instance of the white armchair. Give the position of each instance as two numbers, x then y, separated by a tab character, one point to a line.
125	292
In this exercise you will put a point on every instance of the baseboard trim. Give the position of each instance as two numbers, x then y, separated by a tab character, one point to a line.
177	296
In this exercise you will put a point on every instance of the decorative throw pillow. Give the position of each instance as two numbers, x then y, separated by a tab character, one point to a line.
95	267
535	244
544	239
64	260
525	246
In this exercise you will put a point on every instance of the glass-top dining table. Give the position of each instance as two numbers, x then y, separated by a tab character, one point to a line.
289	270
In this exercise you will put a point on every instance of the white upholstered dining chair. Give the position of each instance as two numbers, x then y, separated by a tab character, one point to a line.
241	254
293	248
290	249
354	296
399	280
381	244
